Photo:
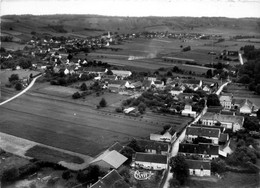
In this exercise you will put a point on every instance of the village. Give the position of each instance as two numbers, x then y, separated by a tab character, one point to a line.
106	122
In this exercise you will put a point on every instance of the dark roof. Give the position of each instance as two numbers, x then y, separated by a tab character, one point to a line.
198	164
147	83
116	146
215	109
117	82
223	137
137	84
199	149
153	158
158	82
216	127
191	81
149	144
203	131
108	180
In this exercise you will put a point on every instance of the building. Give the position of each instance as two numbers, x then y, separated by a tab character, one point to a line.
244	106
175	91
116	85
199	167
226	101
158	84
188	111
109	180
232	122
150	161
122	73
212	134
204	151
192	83
110	158
154	147
169	136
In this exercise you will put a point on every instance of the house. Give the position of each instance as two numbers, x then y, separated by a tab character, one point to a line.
228	121
169	136
176	91
107	78
199	167
116	85
226	101
122	73
110	158
158	84
188	111
206	88
147	84
109	180
244	106
212	134
154	147
137	85
150	161
202	150
192	83
186	96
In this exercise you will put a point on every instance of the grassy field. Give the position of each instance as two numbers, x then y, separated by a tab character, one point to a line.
229	180
5	74
46	154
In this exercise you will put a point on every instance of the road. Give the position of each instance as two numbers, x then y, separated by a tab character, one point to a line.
22	92
175	145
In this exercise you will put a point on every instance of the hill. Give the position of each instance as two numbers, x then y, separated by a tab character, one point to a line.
20	27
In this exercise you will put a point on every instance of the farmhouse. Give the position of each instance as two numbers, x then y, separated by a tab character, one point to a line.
226	101
116	85
228	121
168	136
205	151
199	167
109	180
176	91
154	147
150	161
188	111
212	134
158	84
147	84
192	83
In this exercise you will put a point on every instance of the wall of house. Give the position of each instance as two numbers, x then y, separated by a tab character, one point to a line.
245	110
199	172
148	165
226	104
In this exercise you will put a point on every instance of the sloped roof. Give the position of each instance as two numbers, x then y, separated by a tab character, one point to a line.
198	164
117	82
113	158
152	158
147	83
203	131
137	84
216	127
223	118
108	180
208	149
116	146
191	81
149	144
223	137
121	72
225	98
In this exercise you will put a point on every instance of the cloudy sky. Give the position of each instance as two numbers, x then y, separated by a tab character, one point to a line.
196	8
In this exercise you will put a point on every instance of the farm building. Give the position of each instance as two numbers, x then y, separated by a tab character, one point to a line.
154	147
169	136
212	134
205	151
150	161
228	121
122	73
244	106
110	158
109	180
199	167
226	101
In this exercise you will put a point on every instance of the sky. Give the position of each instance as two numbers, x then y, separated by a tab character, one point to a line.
190	8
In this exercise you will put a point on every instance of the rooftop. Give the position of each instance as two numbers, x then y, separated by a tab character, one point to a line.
208	149
223	118
198	164
152	158
203	131
149	144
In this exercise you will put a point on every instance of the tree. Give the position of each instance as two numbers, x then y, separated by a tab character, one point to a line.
128	152
83	87
180	168
109	72
141	107
218	166
209	73
10	175
76	95
245	79
120	184
13	77
258	113
257	89
66	175
213	100
251	123
18	86
103	103
135	146
25	63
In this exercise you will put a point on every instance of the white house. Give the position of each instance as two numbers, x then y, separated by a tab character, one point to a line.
199	167
226	101
150	161
188	111
228	121
176	91
244	106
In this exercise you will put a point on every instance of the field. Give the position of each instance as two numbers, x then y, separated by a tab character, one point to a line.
47	154
229	180
5	74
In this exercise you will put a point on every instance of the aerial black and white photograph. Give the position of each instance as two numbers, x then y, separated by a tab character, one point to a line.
130	94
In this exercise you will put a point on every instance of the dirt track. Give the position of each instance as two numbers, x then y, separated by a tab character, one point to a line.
68	125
